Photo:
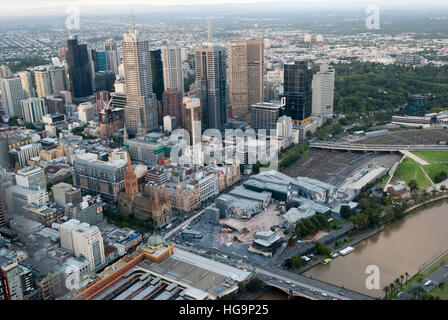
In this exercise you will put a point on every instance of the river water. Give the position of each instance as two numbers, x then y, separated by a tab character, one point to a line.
402	247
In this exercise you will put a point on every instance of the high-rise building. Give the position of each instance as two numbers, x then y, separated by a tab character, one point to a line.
79	68
86	112
99	58
12	94
2	212
416	105
5	72
141	108
245	74
172	103
10	275
191	118
297	91
113	56
33	109
323	90
49	80
173	75
158	85
27	83
31	177
83	239
104	81
264	115
211	83
54	104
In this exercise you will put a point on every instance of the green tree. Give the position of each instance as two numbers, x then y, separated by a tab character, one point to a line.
345	211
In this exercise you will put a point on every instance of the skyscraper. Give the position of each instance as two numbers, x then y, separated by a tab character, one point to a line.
113	55
12	94
323	90
245	73
191	118
141	109
99	60
157	73
173	75
211	83
27	83
172	104
33	109
297	91
49	79
83	239
79	68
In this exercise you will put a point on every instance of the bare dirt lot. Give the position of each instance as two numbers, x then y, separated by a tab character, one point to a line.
247	227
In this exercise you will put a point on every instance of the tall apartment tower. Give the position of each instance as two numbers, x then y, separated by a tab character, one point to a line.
79	68
12	94
141	108
297	90
245	75
158	85
211	84
33	109
113	55
27	83
323	90
50	79
191	118
173	74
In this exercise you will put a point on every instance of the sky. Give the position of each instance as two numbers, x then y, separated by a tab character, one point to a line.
52	7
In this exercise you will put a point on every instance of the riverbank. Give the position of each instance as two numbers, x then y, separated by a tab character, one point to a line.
403	247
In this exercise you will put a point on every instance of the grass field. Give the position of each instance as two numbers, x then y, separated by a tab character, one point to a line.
432	156
433	169
438	161
438	292
409	170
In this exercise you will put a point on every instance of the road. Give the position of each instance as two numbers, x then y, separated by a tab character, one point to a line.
310	287
183	224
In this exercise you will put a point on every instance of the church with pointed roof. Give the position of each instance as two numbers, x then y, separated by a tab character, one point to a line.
143	205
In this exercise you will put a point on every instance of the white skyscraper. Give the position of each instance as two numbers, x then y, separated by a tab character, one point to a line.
141	109
83	239
12	94
323	90
173	75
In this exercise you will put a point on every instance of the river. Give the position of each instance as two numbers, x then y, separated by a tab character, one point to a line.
402	247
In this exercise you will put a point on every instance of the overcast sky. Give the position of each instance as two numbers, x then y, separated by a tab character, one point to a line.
33	7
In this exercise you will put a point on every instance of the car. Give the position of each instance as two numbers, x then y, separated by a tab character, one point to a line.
335	298
293	285
400	294
324	294
288	282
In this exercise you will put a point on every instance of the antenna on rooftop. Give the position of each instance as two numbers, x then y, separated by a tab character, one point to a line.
132	21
